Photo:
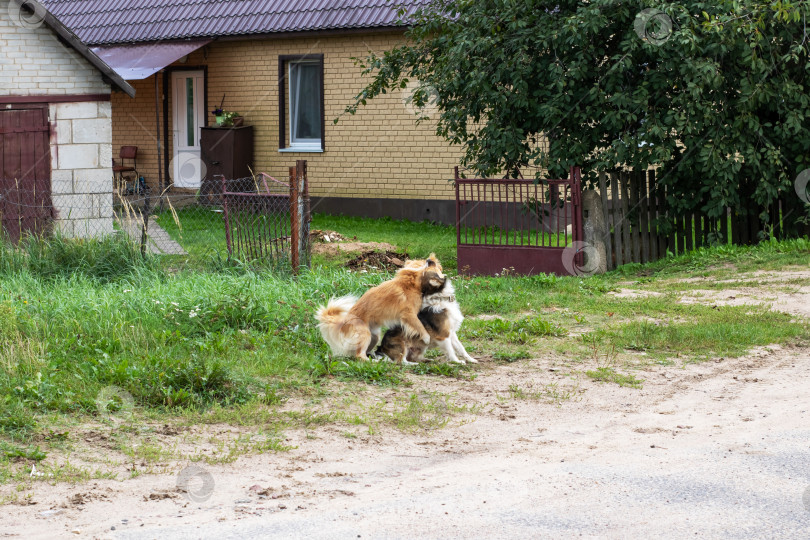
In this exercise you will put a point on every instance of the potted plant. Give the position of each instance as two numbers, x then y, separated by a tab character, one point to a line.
219	115
231	119
226	118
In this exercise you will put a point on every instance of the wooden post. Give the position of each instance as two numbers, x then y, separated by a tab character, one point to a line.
689	241
634	211
606	212
303	212
617	218
294	232
644	219
625	189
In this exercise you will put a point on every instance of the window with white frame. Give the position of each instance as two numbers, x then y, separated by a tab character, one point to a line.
304	95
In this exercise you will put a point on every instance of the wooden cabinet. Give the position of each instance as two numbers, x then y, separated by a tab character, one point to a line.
227	152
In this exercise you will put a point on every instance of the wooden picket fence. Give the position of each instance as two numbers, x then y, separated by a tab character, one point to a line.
641	229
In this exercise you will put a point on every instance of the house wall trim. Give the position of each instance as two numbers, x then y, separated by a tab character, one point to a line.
62	98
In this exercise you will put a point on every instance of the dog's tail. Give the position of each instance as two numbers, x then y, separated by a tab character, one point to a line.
331	319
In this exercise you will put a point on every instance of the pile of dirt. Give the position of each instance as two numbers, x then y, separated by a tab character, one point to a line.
320	236
378	260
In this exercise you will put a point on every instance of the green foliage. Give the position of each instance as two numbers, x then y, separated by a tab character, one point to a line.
608	374
518	332
12	451
111	258
376	373
713	94
511	356
441	368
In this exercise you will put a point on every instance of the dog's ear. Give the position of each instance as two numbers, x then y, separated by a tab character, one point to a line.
435	280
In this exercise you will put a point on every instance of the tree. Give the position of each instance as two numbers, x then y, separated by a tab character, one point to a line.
715	95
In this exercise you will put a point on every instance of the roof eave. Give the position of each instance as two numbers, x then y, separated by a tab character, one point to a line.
287	34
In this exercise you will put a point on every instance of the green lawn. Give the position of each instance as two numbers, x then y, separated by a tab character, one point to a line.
201	232
212	342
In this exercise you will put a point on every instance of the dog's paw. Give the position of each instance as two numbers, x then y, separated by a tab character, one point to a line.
406	363
471	360
457	361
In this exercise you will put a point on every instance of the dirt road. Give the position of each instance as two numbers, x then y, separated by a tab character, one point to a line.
719	449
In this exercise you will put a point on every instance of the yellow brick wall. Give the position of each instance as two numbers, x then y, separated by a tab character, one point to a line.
379	152
133	123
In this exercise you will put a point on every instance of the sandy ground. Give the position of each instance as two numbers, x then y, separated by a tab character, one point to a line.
719	449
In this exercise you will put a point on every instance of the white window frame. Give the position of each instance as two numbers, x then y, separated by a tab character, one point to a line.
300	145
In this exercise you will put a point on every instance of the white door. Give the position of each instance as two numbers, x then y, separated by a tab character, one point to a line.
189	116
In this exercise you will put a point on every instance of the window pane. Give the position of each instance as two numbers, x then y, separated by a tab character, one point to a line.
305	90
190	111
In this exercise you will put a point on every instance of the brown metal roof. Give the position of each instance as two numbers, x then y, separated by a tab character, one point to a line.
100	22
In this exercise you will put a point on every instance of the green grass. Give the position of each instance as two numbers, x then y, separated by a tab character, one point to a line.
608	374
213	343
201	232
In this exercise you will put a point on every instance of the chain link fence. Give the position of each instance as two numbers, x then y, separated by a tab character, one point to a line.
257	220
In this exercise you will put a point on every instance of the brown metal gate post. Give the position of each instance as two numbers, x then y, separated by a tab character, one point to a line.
576	218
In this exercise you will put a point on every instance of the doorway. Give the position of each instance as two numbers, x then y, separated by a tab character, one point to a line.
188	114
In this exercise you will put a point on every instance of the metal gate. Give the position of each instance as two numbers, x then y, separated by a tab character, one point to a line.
271	222
25	171
518	226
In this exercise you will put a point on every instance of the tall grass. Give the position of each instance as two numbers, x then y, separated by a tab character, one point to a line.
110	258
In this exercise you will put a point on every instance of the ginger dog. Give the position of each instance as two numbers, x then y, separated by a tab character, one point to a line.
441	317
351	327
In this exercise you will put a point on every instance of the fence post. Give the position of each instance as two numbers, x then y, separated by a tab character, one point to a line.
294	219
576	218
144	223
458	209
303	212
226	217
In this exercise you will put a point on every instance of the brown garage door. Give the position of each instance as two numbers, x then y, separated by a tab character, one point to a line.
25	171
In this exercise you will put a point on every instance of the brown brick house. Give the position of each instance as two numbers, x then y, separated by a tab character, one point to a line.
287	68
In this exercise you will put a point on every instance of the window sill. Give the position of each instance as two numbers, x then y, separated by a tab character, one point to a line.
311	149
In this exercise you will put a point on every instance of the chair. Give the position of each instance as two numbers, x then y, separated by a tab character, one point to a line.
123	172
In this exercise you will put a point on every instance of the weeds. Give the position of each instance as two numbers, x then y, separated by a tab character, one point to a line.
517	332
550	393
608	374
